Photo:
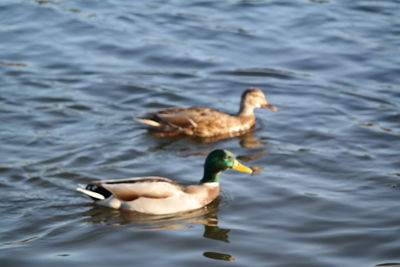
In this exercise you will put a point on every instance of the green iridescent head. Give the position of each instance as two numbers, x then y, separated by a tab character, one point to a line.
218	161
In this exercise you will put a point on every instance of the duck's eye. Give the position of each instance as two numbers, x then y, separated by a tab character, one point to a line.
228	158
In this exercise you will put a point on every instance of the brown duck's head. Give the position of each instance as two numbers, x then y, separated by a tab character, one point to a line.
254	98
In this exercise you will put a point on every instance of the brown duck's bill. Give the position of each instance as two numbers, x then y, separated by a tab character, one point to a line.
271	107
240	167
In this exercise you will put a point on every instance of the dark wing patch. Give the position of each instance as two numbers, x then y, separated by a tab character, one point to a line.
100	190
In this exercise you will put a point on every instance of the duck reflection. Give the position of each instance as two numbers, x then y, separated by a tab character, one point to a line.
206	216
247	140
218	256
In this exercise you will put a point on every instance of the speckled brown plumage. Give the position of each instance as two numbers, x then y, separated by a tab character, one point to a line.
207	122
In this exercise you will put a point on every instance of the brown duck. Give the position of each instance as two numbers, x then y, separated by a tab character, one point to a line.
206	122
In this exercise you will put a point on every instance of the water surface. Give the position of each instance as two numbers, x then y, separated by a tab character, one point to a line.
74	73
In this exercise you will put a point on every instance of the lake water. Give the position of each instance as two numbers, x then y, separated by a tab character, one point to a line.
74	73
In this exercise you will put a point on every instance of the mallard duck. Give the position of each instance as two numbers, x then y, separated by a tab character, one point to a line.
207	122
159	195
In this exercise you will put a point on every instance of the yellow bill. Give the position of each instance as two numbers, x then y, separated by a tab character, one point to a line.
240	167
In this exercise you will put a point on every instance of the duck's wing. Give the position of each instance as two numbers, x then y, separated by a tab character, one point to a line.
199	121
190	117
133	188
168	119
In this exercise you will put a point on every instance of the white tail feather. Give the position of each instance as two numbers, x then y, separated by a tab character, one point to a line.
148	122
90	193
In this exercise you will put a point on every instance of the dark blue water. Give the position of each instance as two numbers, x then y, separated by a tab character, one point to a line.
74	73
